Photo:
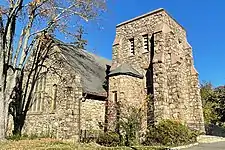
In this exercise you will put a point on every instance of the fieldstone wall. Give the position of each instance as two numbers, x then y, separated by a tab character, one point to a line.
92	115
55	107
168	67
130	94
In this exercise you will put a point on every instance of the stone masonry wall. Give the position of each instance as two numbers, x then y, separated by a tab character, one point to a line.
169	61
59	120
93	115
55	111
130	94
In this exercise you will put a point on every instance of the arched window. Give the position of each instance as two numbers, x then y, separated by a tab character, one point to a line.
68	96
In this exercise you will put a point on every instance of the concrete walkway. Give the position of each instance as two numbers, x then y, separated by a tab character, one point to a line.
207	142
208	146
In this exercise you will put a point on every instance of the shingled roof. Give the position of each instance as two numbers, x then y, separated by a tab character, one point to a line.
91	67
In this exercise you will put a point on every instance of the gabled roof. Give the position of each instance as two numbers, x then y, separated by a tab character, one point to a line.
125	69
92	68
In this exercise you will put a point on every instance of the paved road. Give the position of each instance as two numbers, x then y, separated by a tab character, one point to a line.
211	146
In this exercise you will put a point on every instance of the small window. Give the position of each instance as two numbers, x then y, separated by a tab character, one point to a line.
145	43
132	46
170	56
115	96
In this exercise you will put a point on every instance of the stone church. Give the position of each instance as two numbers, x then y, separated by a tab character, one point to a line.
152	69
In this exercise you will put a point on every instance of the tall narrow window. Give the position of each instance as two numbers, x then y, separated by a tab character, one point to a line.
54	96
39	93
115	100
33	104
44	79
69	96
115	97
38	100
132	46
33	107
145	43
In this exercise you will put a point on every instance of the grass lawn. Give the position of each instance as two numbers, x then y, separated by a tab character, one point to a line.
53	144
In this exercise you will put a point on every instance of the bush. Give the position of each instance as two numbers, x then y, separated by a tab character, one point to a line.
108	139
170	133
130	126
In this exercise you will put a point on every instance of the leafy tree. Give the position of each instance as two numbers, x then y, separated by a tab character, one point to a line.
25	29
220	100
213	100
209	103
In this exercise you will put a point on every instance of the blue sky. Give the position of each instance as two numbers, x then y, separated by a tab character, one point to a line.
204	21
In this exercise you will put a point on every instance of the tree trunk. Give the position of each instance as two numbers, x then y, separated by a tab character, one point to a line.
16	107
19	121
2	116
2	98
6	117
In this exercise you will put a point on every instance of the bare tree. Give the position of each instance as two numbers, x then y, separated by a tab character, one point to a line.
33	21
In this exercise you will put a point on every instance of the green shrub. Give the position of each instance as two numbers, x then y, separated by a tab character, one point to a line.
170	133
108	139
